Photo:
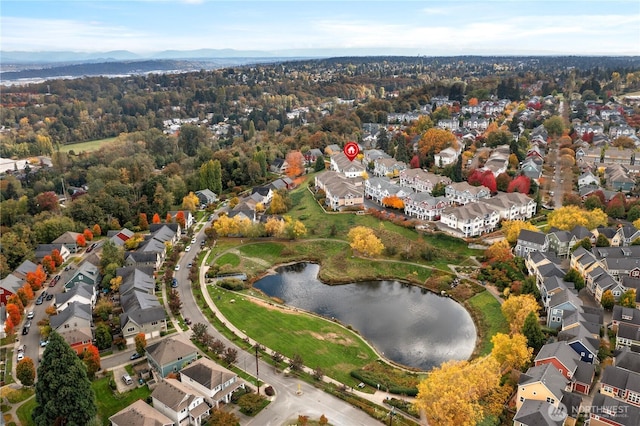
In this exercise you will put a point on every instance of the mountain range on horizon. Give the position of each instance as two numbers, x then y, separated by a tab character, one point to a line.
63	56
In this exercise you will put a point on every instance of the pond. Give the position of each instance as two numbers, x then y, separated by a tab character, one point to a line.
406	324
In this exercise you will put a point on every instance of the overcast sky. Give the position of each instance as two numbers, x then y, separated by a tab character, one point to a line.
591	27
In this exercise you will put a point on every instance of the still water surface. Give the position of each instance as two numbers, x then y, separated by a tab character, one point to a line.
406	324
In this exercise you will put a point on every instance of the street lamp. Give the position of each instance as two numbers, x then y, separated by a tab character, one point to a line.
391	414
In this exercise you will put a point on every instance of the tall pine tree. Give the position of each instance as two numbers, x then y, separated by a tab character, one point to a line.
63	391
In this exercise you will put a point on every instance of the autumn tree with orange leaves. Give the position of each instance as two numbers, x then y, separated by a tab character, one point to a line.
81	241
88	235
91	358
168	218
393	202
97	231
295	161
57	257
36	278
181	219
48	264
155	218
435	140
13	313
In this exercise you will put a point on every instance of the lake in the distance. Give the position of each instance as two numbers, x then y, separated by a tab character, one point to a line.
406	324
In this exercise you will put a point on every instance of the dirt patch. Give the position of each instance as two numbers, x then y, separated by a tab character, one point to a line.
274	307
333	338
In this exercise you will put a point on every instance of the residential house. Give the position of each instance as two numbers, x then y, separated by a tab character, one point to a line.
538	413
69	239
87	273
170	355
628	234
140	414
245	210
534	261
546	272
512	206
560	304
542	383
143	259
312	156
470	220
583	337
212	380
588	178
421	180
379	188
591	156
424	206
206	196
136	278
531	167
43	250
340	191
610	233
620	267
579	373
262	194
143	313
341	164
622	379
529	241
561	242
625	315
618	178
74	326
332	149
283	183
9	286
475	122
82	293
628	335
551	285
389	167
463	193
446	157
608	411
583	261
181	403
120	237
371	155
279	165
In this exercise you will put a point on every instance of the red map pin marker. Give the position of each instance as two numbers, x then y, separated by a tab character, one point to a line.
351	150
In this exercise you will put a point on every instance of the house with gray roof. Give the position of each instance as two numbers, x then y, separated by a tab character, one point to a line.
82	293
341	164
622	379
119	237
529	241
389	167
9	286
608	411
378	188
582	340
180	403
206	196
87	273
170	355
560	355
424	206
74	325
136	278
340	191
542	383
421	180
43	250
211	379
470	220
559	305
463	193
143	313
140	414
141	259
69	239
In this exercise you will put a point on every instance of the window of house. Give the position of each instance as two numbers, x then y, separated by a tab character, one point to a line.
130	329
550	400
154	322
634	398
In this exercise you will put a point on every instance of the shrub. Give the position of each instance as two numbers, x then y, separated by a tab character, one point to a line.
269	391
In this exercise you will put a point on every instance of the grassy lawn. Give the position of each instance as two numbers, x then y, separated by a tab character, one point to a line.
86	146
322	343
488	318
24	412
17	395
110	403
228	259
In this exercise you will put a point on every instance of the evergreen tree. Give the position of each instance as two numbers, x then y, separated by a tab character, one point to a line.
402	153
319	164
382	141
63	391
533	332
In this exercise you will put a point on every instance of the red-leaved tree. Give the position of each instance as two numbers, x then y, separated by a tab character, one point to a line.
155	218
36	278
181	219
521	184
88	235
81	241
57	257
48	264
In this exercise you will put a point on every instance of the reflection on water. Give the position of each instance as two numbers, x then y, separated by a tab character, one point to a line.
407	324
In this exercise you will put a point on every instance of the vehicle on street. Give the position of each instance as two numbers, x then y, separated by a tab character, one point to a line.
174	283
25	331
20	356
177	268
39	300
187	321
135	356
49	297
21	348
193	240
187	249
91	247
189	265
43	343
30	315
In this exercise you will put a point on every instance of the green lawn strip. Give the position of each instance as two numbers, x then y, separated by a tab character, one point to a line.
110	402
320	343
86	146
228	259
24	412
18	395
267	251
488	317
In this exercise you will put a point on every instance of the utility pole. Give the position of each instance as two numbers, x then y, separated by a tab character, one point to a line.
257	375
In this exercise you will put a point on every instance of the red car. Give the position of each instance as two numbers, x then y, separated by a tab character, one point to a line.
54	281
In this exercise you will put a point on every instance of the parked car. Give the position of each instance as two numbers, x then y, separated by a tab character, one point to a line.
43	343
187	321
25	331
135	356
49	297
188	248
30	315
177	268
21	348
174	283
127	379
20	356
193	240
39	300
189	265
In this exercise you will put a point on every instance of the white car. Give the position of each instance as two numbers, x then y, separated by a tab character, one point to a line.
177	268
20	356
30	315
188	248
193	240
